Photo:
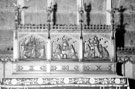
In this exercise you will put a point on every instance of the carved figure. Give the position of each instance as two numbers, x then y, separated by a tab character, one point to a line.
93	49
64	51
103	51
32	48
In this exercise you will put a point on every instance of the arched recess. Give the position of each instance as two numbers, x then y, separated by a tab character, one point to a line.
32	47
98	47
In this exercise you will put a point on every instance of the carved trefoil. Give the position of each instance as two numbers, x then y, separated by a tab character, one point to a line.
64	48
32	47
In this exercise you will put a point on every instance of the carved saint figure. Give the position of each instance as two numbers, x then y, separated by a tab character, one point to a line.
65	51
94	49
32	48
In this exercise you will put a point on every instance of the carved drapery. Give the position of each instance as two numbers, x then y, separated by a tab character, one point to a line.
32	47
64	48
96	47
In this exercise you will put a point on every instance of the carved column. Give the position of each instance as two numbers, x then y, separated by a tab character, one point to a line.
15	46
108	15
79	5
81	49
15	34
48	50
81	11
49	17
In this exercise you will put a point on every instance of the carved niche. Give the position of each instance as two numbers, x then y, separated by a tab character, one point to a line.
96	48
64	48
32	47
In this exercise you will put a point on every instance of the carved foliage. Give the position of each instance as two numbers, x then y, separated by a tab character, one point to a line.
32	47
76	81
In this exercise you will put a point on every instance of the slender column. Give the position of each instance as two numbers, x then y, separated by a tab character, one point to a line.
80	6
110	21
16	46
48	49
49	16
15	35
108	15
81	49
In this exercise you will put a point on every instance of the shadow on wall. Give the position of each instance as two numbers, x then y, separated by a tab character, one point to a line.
119	69
54	14
88	8
132	83
120	31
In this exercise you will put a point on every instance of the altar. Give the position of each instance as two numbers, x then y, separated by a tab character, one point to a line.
63	56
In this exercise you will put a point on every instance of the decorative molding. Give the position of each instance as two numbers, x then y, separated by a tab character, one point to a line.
30	68
126	51
99	68
126	54
126	58
6	57
63	28
65	68
64	81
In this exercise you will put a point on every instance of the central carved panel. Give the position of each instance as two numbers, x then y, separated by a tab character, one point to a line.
64	48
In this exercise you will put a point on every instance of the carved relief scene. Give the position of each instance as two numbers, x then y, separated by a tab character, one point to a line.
32	48
64	48
97	48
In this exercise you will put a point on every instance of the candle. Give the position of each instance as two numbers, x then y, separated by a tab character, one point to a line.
49	2
80	50
81	3
48	50
20	2
16	47
108	15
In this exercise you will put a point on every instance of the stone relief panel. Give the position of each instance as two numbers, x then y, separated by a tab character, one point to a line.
32	47
65	48
97	47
